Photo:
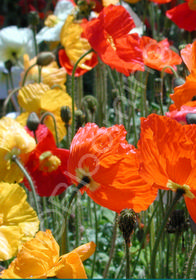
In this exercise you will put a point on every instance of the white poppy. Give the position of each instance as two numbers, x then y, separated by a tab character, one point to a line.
51	33
14	43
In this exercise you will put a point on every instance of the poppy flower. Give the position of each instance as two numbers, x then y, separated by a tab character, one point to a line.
161	1
185	92
166	151
51	74
184	15
18	220
14	140
75	45
109	37
29	5
180	115
104	157
39	98
39	258
158	55
47	165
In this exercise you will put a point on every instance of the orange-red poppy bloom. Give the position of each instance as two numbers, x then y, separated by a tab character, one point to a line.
184	15
161	1
158	55
47	165
110	164
109	37
166	151
184	93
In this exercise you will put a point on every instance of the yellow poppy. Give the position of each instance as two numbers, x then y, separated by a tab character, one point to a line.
18	220
75	45
50	74
39	258
39	98
14	140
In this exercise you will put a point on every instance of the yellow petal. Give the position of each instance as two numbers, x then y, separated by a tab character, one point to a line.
29	96
86	250
70	267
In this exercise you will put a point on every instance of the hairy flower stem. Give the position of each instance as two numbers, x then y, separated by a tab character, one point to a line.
96	239
54	121
28	177
127	260
64	244
112	246
73	91
178	195
10	96
177	235
26	73
191	262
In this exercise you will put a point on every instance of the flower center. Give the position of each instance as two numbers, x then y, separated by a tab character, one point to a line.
48	162
51	21
84	172
111	41
192	4
174	187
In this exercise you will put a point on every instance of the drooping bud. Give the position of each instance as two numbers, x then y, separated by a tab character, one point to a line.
33	18
45	58
33	121
8	65
90	102
79	119
127	223
65	114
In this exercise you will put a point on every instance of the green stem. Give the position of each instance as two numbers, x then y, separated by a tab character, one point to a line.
28	177
190	262
26	73
96	239
10	95
83	182
55	126
112	246
127	260
73	90
177	235
178	195
39	74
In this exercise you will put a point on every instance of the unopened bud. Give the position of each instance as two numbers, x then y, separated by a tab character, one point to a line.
45	58
8	65
90	102
33	121
33	18
127	223
65	114
79	118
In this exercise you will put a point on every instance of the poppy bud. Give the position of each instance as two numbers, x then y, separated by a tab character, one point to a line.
90	102
191	118
79	118
8	64
45	58
65	114
127	223
33	121
178	82
33	18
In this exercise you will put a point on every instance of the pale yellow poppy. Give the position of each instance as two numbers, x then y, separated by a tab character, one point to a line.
18	220
39	258
14	140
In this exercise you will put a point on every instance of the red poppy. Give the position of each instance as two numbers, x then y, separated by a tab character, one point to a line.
184	15
158	55
109	37
47	165
161	1
65	62
180	115
104	156
32	5
184	93
166	151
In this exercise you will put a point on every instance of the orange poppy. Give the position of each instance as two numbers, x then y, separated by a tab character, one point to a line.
187	91
166	151
110	164
184	15
158	55
109	37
